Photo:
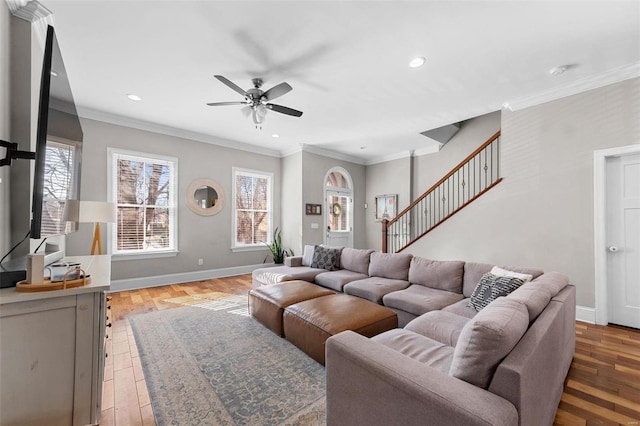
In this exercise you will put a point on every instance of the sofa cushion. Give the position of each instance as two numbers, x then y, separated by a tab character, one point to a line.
390	265
374	288
553	281
461	308
293	261
487	339
496	270
326	258
278	274
534	297
427	351
441	326
490	288
307	255
337	279
474	271
355	260
417	299
443	275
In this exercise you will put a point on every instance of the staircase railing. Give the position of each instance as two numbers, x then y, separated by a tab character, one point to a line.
474	176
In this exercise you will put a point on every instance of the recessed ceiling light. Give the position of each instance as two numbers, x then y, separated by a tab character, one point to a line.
558	70
134	97
53	73
275	135
417	62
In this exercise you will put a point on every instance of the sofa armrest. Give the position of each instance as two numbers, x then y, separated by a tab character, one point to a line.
371	384
293	261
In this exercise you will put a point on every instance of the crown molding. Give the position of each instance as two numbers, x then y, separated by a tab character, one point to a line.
324	153
172	131
582	85
29	11
390	157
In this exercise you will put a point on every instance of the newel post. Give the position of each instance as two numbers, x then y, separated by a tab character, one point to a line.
384	235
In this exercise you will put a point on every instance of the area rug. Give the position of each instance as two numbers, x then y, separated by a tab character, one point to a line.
212	364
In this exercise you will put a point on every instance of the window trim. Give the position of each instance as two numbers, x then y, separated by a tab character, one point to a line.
173	202
234	216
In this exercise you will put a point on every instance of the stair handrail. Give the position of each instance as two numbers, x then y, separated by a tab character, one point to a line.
386	222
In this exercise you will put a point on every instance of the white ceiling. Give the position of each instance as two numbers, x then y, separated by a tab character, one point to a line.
346	61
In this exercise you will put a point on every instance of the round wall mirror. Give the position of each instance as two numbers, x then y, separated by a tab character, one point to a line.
205	197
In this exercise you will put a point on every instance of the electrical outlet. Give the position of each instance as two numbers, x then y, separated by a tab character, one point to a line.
200	261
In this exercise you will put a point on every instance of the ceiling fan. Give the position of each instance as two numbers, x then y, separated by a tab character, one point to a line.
256	101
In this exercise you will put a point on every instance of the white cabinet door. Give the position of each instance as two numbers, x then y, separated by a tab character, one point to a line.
37	362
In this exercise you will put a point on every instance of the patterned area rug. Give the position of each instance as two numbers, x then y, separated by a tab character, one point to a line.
212	364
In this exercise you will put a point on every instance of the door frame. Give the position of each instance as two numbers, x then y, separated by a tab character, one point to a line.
600	225
350	191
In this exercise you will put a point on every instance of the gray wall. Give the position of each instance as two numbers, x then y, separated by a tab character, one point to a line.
389	177
292	202
315	168
25	57
206	237
5	128
394	177
542	213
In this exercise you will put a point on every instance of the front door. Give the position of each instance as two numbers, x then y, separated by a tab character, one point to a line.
623	239
339	230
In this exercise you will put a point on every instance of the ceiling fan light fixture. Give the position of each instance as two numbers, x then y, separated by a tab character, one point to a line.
133	97
417	62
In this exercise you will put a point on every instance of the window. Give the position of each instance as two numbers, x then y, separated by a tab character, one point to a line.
59	170
252	215
143	186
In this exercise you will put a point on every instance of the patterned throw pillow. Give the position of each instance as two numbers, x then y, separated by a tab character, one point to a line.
326	258
490	287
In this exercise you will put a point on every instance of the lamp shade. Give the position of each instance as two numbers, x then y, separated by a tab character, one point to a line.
90	211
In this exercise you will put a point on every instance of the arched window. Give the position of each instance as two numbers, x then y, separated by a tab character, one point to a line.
339	208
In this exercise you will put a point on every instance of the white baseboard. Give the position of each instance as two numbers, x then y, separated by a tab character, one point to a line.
586	314
184	277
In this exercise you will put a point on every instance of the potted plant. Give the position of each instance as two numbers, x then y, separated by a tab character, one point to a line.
278	252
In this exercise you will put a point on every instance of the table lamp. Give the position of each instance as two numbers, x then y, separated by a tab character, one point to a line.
93	212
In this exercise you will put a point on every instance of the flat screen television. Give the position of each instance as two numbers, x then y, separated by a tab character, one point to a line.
58	149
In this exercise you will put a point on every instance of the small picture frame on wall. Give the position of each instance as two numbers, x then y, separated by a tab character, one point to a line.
386	206
313	209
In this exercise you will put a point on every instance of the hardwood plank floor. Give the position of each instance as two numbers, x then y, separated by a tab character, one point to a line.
602	387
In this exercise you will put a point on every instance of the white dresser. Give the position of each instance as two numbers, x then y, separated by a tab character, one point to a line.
52	351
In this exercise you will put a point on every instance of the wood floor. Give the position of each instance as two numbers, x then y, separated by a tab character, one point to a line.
602	387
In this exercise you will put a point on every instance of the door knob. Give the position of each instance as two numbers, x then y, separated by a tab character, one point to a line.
613	249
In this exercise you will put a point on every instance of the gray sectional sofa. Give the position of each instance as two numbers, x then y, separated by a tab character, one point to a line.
449	363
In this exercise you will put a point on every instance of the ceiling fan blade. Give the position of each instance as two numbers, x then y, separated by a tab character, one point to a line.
284	110
227	103
277	91
231	85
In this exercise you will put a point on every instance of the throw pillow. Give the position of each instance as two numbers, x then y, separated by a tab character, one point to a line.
496	270
326	258
307	255
490	288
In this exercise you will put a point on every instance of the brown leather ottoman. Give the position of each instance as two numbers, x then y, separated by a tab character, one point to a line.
267	303
309	324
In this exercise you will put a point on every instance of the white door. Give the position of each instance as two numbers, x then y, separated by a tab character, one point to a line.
338	217
623	239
